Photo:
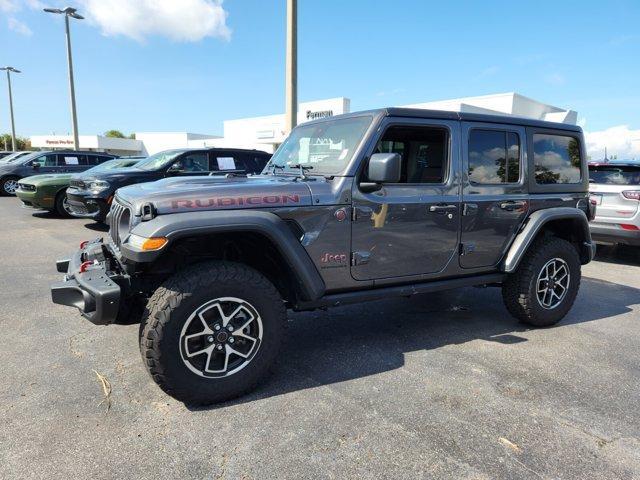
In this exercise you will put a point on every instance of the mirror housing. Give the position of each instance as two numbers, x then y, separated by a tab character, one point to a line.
35	165
384	168
174	168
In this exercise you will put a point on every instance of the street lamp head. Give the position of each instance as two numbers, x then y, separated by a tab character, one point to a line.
68	11
10	69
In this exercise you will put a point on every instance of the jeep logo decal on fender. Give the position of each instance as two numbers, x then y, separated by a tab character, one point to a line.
235	201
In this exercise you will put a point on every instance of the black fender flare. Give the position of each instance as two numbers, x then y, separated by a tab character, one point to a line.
534	225
181	225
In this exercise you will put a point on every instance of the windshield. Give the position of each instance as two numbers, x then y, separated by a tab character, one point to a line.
14	156
159	160
325	147
111	164
615	175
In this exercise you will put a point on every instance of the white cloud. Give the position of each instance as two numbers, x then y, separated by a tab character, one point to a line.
19	27
9	6
555	79
619	140
183	21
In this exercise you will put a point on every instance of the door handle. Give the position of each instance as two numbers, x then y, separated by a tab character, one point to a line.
442	209
512	206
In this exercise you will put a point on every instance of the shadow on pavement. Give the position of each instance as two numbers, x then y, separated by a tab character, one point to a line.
618	254
361	340
97	227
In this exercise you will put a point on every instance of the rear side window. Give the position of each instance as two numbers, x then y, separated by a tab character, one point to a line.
556	159
615	174
494	157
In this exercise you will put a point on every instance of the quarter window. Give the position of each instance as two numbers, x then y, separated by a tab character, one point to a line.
556	159
494	157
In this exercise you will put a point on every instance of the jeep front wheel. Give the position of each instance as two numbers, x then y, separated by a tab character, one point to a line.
211	332
543	288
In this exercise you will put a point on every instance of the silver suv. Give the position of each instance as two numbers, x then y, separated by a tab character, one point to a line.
615	190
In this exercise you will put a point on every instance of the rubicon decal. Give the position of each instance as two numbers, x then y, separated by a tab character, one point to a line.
254	200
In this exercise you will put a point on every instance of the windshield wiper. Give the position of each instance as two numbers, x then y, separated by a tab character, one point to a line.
274	166
303	169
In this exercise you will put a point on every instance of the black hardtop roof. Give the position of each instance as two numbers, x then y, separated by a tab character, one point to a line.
462	116
74	151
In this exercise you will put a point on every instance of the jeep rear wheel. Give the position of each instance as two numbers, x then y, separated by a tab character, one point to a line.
543	288
211	332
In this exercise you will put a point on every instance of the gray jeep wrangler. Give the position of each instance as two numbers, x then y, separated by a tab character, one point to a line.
370	205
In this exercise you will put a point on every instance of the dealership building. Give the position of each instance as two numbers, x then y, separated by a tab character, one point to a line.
267	132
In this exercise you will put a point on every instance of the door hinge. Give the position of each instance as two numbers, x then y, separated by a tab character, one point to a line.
360	258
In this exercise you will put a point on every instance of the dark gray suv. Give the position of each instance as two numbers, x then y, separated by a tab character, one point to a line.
38	163
358	207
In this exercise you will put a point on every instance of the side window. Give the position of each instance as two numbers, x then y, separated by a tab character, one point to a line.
193	162
225	161
71	160
494	157
424	152
94	159
48	160
556	159
101	159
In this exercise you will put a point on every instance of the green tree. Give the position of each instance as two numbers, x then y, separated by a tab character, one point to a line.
21	142
114	134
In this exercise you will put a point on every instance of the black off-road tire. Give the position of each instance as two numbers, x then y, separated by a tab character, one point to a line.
59	205
3	188
519	290
177	299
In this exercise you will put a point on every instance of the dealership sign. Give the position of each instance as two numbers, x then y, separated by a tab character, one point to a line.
58	142
320	114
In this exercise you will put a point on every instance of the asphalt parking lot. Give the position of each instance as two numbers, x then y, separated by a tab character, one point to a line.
440	386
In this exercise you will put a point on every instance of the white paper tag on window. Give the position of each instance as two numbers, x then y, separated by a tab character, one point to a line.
71	160
226	163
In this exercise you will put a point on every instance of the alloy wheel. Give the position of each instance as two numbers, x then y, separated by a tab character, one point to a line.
10	186
552	284
221	337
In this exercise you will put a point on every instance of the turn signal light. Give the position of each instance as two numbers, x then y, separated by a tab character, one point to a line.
147	244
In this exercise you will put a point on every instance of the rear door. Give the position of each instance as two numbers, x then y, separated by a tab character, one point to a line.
494	194
615	189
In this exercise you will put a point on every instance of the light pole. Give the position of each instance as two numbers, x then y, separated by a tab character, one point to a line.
70	12
9	71
291	68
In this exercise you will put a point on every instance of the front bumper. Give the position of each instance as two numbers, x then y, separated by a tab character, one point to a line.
96	292
34	200
86	204
612	233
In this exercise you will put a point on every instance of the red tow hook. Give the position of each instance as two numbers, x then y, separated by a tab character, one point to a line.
83	244
85	265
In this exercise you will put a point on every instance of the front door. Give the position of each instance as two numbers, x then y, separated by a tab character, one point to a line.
411	227
190	164
494	195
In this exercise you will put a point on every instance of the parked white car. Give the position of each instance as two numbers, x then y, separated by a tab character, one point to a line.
615	190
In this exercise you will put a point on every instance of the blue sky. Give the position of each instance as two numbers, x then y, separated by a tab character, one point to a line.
581	55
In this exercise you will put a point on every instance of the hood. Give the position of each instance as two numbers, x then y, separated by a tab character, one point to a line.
174	195
114	174
49	178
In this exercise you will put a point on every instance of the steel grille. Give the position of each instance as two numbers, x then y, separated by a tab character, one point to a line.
115	215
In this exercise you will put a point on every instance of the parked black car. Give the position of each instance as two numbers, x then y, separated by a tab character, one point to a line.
91	195
37	163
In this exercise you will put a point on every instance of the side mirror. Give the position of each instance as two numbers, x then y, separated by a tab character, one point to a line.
175	168
35	165
383	168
